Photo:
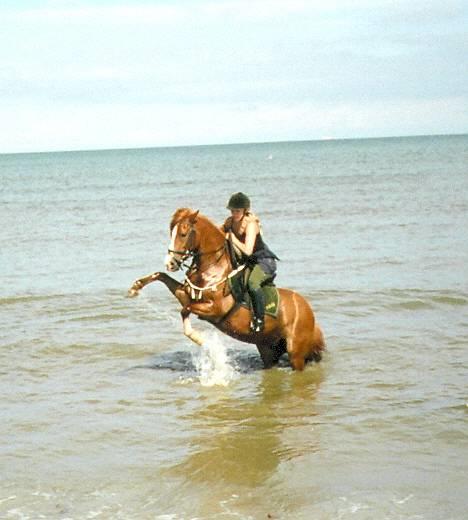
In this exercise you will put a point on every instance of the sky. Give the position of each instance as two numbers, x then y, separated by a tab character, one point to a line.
80	75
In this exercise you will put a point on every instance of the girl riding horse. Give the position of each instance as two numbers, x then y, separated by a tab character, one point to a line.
243	231
205	292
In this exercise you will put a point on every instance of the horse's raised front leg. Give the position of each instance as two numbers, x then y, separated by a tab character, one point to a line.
177	289
202	310
189	331
171	284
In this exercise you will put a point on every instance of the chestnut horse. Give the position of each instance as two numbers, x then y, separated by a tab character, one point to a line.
205	293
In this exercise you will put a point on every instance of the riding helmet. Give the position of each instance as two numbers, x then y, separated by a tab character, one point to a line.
239	201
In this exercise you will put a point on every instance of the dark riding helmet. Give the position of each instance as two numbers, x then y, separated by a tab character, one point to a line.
239	201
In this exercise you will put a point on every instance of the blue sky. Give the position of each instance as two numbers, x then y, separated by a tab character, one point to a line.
117	74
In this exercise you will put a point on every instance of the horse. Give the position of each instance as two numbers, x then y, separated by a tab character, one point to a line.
205	293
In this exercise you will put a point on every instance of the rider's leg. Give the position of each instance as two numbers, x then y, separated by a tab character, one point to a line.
254	286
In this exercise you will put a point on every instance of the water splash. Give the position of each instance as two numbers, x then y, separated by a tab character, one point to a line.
212	362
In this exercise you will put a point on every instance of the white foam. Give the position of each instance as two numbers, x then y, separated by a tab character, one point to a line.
212	362
13	497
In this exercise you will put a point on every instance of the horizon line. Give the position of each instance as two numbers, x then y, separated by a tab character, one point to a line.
156	147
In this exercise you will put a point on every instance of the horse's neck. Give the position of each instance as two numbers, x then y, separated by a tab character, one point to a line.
213	260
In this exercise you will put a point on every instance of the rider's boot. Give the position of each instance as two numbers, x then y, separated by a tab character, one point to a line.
258	305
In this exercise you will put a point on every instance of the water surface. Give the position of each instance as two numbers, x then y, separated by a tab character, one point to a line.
108	411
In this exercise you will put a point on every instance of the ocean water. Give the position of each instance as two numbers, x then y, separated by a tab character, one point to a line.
108	411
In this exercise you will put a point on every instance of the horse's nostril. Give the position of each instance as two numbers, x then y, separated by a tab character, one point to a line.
171	264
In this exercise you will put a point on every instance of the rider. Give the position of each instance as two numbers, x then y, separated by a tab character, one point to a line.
243	229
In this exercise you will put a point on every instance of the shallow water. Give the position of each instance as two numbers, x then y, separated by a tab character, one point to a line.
108	411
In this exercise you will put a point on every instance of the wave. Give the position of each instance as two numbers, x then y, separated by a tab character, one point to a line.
112	304
13	300
416	299
99	317
414	295
334	306
89	297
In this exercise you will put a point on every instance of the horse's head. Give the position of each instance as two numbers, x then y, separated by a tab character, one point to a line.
184	240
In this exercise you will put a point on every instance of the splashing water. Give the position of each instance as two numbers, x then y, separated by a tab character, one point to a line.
212	363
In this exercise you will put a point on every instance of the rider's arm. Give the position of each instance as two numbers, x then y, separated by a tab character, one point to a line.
247	247
227	226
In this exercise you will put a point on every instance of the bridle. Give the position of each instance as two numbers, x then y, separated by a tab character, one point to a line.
188	251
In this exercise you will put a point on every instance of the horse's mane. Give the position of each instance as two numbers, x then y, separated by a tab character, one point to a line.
182	213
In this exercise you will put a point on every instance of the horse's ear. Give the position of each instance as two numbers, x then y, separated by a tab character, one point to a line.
193	217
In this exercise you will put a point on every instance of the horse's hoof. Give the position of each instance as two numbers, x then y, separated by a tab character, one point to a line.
132	293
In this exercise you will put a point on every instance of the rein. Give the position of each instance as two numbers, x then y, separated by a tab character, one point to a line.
196	292
194	254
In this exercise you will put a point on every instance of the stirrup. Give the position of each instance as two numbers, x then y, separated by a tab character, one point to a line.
257	325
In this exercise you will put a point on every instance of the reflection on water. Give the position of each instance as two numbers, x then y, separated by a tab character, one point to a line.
238	443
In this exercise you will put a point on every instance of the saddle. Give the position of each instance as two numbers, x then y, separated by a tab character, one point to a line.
238	288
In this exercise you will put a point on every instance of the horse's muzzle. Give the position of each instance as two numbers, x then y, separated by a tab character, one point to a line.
172	263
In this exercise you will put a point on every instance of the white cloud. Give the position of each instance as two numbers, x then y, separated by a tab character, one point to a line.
84	74
104	15
224	10
34	128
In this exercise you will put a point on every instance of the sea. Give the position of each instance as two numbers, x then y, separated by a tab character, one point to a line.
108	411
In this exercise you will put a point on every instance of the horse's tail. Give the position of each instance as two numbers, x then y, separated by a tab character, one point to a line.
318	339
318	344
